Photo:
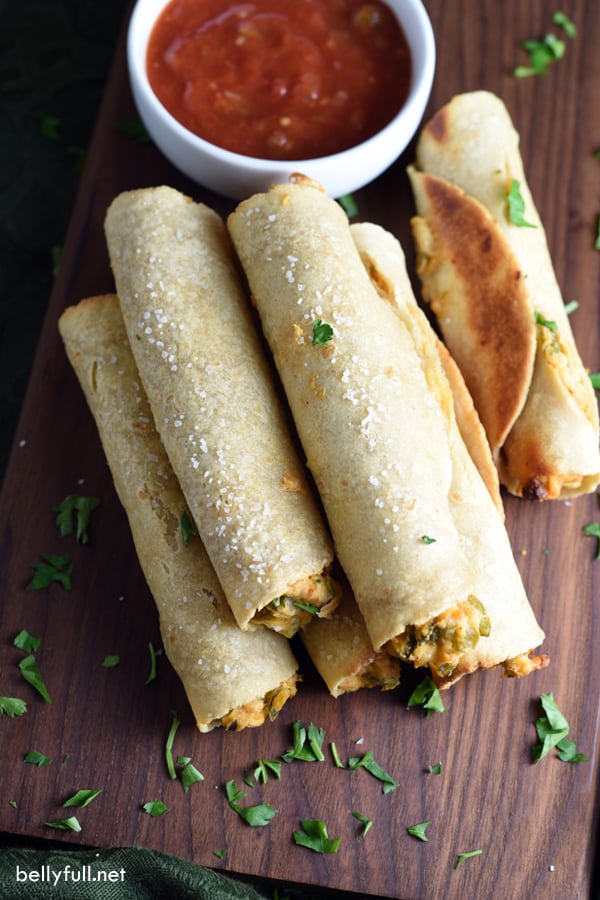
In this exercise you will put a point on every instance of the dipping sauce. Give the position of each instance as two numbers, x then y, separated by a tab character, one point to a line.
280	79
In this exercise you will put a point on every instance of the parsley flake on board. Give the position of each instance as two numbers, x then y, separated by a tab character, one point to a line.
35	758
155	808
175	723
468	855
53	568
597	241
427	696
82	798
595	379
552	730
418	831
12	706
368	762
571	307
593	530
436	769
255	816
70	824
322	333
265	768
348	204
515	206
74	506
110	662
188	772
26	642
307	745
153	674
30	671
366	822
562	20
313	834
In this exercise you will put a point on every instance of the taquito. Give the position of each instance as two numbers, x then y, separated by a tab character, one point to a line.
486	271
374	426
341	650
217	410
232	678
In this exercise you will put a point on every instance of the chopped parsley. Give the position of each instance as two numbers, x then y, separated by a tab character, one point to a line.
74	506
552	730
188	772
70	824
220	853
597	241
110	662
322	333
49	127
169	747
571	307
188	529
427	695
26	642
468	855
348	204
255	816
426	539
436	769
12	706
52	568
515	206
542	53
82	798
152	675
265	768
35	758
366	822
155	808
313	834
561	19
368	762
595	379
419	830
136	130
308	744
336	758
593	530
32	675
550	324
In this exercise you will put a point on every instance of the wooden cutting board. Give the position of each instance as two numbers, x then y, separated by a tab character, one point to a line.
105	728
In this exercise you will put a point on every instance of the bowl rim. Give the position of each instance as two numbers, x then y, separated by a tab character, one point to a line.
421	42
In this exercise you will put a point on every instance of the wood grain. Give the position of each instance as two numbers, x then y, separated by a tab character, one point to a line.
105	728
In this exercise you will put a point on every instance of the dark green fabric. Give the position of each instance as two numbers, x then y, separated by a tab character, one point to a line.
134	873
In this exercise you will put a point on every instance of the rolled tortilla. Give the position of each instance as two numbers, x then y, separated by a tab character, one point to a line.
374	423
492	286
343	654
231	678
216	408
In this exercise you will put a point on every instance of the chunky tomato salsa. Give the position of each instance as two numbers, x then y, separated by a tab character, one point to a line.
280	79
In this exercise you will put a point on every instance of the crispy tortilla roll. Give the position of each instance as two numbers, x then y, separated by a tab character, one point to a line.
374	418
343	654
216	409
492	286
231	678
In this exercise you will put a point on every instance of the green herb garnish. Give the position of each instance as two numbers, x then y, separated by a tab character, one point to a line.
110	662
436	769
569	27
70	824
322	333
419	830
307	607
12	706
469	855
427	695
314	836
53	568
188	529
367	762
26	642
255	816
552	730
35	758
308	744
571	307
135	129
169	747
82	798
366	822
153	674
593	530
550	324
32	675
155	808
265	768
339	764
516	206
425	539
188	773
595	379
348	204
220	853
597	241
49	127
74	506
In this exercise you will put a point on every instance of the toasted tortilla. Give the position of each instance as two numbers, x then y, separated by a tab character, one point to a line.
231	677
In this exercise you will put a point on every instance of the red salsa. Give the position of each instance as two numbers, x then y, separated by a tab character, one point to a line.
280	79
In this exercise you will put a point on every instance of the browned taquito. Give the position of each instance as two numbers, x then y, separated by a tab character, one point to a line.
217	410
341	651
489	278
410	515
232	678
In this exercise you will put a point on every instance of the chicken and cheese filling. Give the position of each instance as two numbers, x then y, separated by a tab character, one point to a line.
382	671
253	714
524	664
315	595
441	642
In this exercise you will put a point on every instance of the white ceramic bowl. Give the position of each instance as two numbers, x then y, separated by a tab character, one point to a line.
239	176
